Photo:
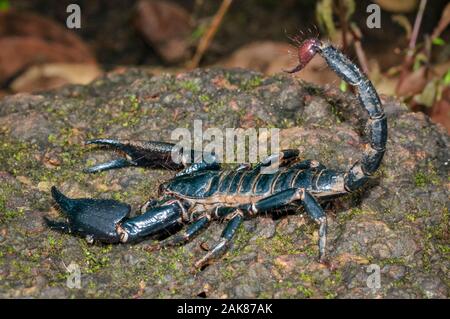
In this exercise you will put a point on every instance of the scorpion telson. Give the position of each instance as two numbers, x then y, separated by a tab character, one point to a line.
203	192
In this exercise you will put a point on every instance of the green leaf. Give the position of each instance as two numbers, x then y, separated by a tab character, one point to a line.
438	41
4	5
198	32
343	86
324	16
349	8
447	77
419	61
428	95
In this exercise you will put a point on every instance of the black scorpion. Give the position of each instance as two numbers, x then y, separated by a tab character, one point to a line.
203	192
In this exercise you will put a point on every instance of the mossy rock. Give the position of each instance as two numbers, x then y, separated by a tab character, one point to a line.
399	222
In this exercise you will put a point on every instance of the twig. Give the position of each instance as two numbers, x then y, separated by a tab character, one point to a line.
362	59
409	59
344	25
209	35
417	23
444	21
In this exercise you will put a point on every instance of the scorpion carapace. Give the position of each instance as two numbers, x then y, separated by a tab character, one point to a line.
202	192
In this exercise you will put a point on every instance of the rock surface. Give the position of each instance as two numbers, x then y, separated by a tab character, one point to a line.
399	224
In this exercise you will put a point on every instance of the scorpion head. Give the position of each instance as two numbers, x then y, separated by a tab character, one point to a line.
306	52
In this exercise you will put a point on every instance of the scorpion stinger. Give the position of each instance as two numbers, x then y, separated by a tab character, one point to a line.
204	192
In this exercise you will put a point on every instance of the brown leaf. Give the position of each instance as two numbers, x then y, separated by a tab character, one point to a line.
271	57
264	56
52	75
166	26
51	159
27	39
443	22
441	110
413	83
25	24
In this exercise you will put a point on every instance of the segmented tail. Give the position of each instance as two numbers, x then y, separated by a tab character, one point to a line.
376	126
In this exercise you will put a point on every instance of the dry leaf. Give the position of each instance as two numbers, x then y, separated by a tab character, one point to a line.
49	76
443	22
27	39
166	26
273	57
413	83
441	110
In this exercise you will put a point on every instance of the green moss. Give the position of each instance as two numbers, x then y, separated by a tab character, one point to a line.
95	260
349	215
134	102
436	238
420	179
20	269
252	83
229	273
279	245
306	277
306	292
190	85
204	98
412	216
427	176
392	261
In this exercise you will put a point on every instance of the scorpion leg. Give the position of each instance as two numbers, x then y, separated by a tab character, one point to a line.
207	162
316	212
281	157
178	239
271	163
307	164
310	204
222	245
275	201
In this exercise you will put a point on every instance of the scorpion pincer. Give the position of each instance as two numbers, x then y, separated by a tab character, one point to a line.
203	192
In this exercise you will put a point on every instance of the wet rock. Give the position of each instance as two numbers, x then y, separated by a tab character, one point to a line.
246	291
398	222
28	127
394	271
265	228
432	286
317	110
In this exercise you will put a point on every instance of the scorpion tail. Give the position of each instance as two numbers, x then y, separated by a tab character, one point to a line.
376	127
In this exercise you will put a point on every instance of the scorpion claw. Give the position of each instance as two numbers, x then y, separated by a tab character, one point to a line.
103	141
96	218
58	226
117	163
137	153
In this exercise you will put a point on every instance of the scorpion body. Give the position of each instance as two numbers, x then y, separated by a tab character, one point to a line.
203	192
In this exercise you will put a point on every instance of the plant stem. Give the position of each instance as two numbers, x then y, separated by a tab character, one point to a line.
209	35
409	59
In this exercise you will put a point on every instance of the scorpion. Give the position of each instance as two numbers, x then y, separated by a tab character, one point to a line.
202	191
